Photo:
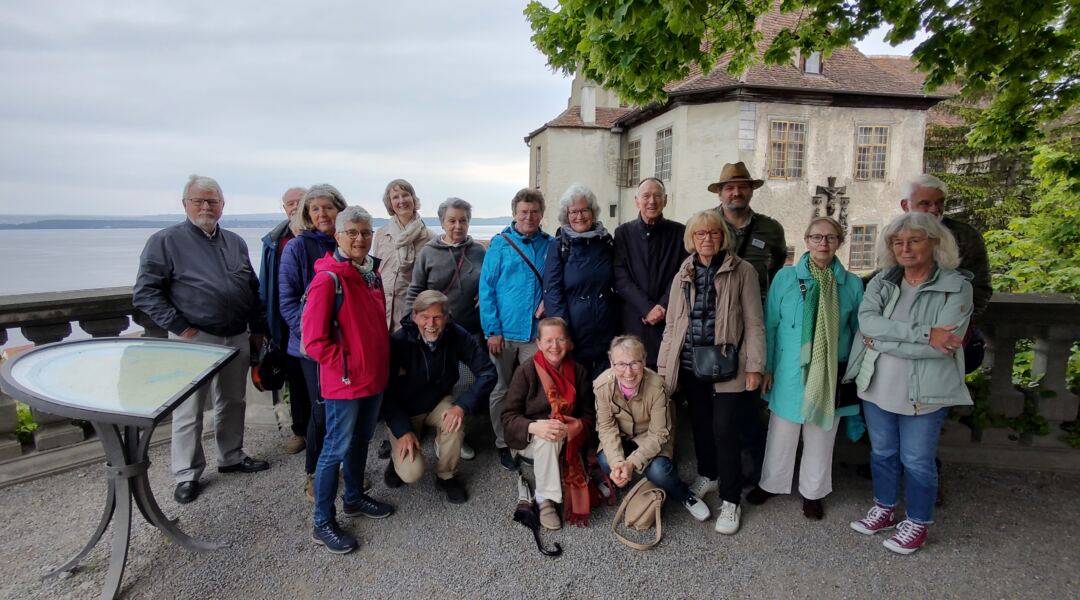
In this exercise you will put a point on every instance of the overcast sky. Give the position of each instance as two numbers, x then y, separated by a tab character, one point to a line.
108	105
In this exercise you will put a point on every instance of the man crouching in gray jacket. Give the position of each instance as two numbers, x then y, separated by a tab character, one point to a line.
195	280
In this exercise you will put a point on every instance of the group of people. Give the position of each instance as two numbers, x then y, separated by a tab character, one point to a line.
578	346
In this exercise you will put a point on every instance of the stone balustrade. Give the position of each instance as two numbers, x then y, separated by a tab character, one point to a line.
1052	321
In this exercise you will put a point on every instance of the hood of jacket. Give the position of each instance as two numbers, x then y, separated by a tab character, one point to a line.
439	242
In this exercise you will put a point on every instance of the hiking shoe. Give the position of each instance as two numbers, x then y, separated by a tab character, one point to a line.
813	509
454	489
908	537
702	486
391	478
877	519
368	507
730	517
696	508
295	445
384	450
758	496
336	539
309	487
467	453
507	460
549	515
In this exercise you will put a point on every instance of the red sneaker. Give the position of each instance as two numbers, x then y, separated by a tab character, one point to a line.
877	519
909	537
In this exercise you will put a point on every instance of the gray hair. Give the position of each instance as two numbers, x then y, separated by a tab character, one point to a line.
428	298
405	186
205	183
455	203
530	195
925	180
630	343
352	214
659	182
577	191
946	253
302	190
319	190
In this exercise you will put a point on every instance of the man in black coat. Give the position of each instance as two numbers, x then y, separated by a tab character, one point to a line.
648	252
424	357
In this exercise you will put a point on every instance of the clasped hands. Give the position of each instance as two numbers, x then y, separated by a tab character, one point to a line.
408	446
941	338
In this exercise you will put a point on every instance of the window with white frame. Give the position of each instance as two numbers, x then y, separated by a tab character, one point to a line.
663	154
871	151
633	163
811	63
787	149
861	247
537	174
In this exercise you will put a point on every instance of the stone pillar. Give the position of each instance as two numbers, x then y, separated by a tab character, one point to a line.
105	327
53	431
1001	346
1051	360
152	328
9	422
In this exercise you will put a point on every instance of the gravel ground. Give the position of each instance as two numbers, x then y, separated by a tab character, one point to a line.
1002	534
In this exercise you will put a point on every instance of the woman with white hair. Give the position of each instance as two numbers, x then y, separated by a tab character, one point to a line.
579	278
397	243
908	365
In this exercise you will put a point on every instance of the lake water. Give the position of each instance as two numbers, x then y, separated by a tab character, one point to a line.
53	260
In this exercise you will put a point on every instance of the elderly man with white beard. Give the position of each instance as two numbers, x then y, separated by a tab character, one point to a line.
424	357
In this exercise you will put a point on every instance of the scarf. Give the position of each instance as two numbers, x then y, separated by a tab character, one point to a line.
559	385
818	349
404	238
366	268
597	230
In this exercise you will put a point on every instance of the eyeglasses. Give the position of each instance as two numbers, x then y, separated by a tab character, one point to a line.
622	366
352	234
817	238
909	243
579	212
706	234
212	203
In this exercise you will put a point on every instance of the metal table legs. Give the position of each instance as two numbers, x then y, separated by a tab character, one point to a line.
125	469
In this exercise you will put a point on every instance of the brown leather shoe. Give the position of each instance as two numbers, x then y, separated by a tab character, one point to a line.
549	515
295	445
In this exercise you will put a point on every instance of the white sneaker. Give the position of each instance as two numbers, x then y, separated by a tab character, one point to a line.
696	508
728	521
467	453
703	486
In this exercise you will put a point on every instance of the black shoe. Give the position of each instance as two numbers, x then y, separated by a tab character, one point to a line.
391	478
507	460
336	539
248	465
368	507
813	509
455	490
186	491
758	496
864	471
384	450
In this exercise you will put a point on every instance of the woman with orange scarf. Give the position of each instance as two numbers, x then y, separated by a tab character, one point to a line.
548	417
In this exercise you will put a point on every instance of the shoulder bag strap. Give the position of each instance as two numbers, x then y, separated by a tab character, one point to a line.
634	491
457	270
523	257
746	239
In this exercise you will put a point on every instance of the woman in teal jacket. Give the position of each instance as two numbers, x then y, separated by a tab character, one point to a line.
811	316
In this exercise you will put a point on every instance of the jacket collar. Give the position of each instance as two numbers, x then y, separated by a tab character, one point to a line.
275	235
686	270
802	268
940	280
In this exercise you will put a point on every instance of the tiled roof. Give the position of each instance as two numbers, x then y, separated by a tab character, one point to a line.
571	117
902	67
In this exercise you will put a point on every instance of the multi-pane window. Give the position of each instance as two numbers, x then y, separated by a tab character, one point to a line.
861	248
871	151
663	154
787	148
537	175
633	163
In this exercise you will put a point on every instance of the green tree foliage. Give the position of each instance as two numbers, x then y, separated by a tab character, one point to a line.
1022	53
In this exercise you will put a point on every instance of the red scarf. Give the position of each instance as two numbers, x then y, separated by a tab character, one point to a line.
559	385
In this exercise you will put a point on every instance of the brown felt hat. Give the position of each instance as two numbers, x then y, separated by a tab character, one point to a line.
735	172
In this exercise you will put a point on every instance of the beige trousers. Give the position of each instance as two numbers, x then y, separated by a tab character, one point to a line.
545	457
815	468
448	446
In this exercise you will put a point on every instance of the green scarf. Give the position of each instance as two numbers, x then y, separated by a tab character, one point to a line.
818	350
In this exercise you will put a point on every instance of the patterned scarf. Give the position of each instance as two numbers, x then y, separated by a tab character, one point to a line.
559	385
818	350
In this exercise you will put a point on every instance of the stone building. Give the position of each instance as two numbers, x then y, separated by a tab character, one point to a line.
794	125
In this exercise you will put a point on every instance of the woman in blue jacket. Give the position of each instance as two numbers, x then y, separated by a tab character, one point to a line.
579	279
811	317
316	217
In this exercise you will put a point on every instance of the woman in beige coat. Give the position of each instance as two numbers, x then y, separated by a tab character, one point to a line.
635	419
396	244
714	300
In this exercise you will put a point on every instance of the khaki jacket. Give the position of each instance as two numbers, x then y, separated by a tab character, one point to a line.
647	419
396	274
738	308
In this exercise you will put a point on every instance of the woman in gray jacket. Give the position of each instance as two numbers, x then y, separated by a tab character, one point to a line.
908	364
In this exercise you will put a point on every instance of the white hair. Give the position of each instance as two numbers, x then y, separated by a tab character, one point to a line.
925	180
577	191
946	253
204	183
352	214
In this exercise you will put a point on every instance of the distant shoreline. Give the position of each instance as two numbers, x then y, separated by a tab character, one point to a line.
240	221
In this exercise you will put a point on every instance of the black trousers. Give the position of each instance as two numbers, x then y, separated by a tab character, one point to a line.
716	436
316	430
299	401
753	426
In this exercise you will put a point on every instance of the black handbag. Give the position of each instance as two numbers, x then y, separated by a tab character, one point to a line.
846	393
714	364
268	372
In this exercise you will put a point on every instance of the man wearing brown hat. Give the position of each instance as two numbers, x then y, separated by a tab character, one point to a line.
756	238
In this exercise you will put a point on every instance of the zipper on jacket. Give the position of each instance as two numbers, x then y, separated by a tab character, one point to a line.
345	369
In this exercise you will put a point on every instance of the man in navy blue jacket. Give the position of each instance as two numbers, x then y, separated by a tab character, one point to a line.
424	357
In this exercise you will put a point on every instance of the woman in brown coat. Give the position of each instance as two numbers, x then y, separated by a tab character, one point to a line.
396	244
547	417
715	299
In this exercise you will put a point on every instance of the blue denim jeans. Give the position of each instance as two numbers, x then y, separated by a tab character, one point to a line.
350	424
662	473
910	441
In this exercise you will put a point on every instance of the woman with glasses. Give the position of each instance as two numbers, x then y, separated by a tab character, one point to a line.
908	365
579	278
714	314
811	316
396	244
635	420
